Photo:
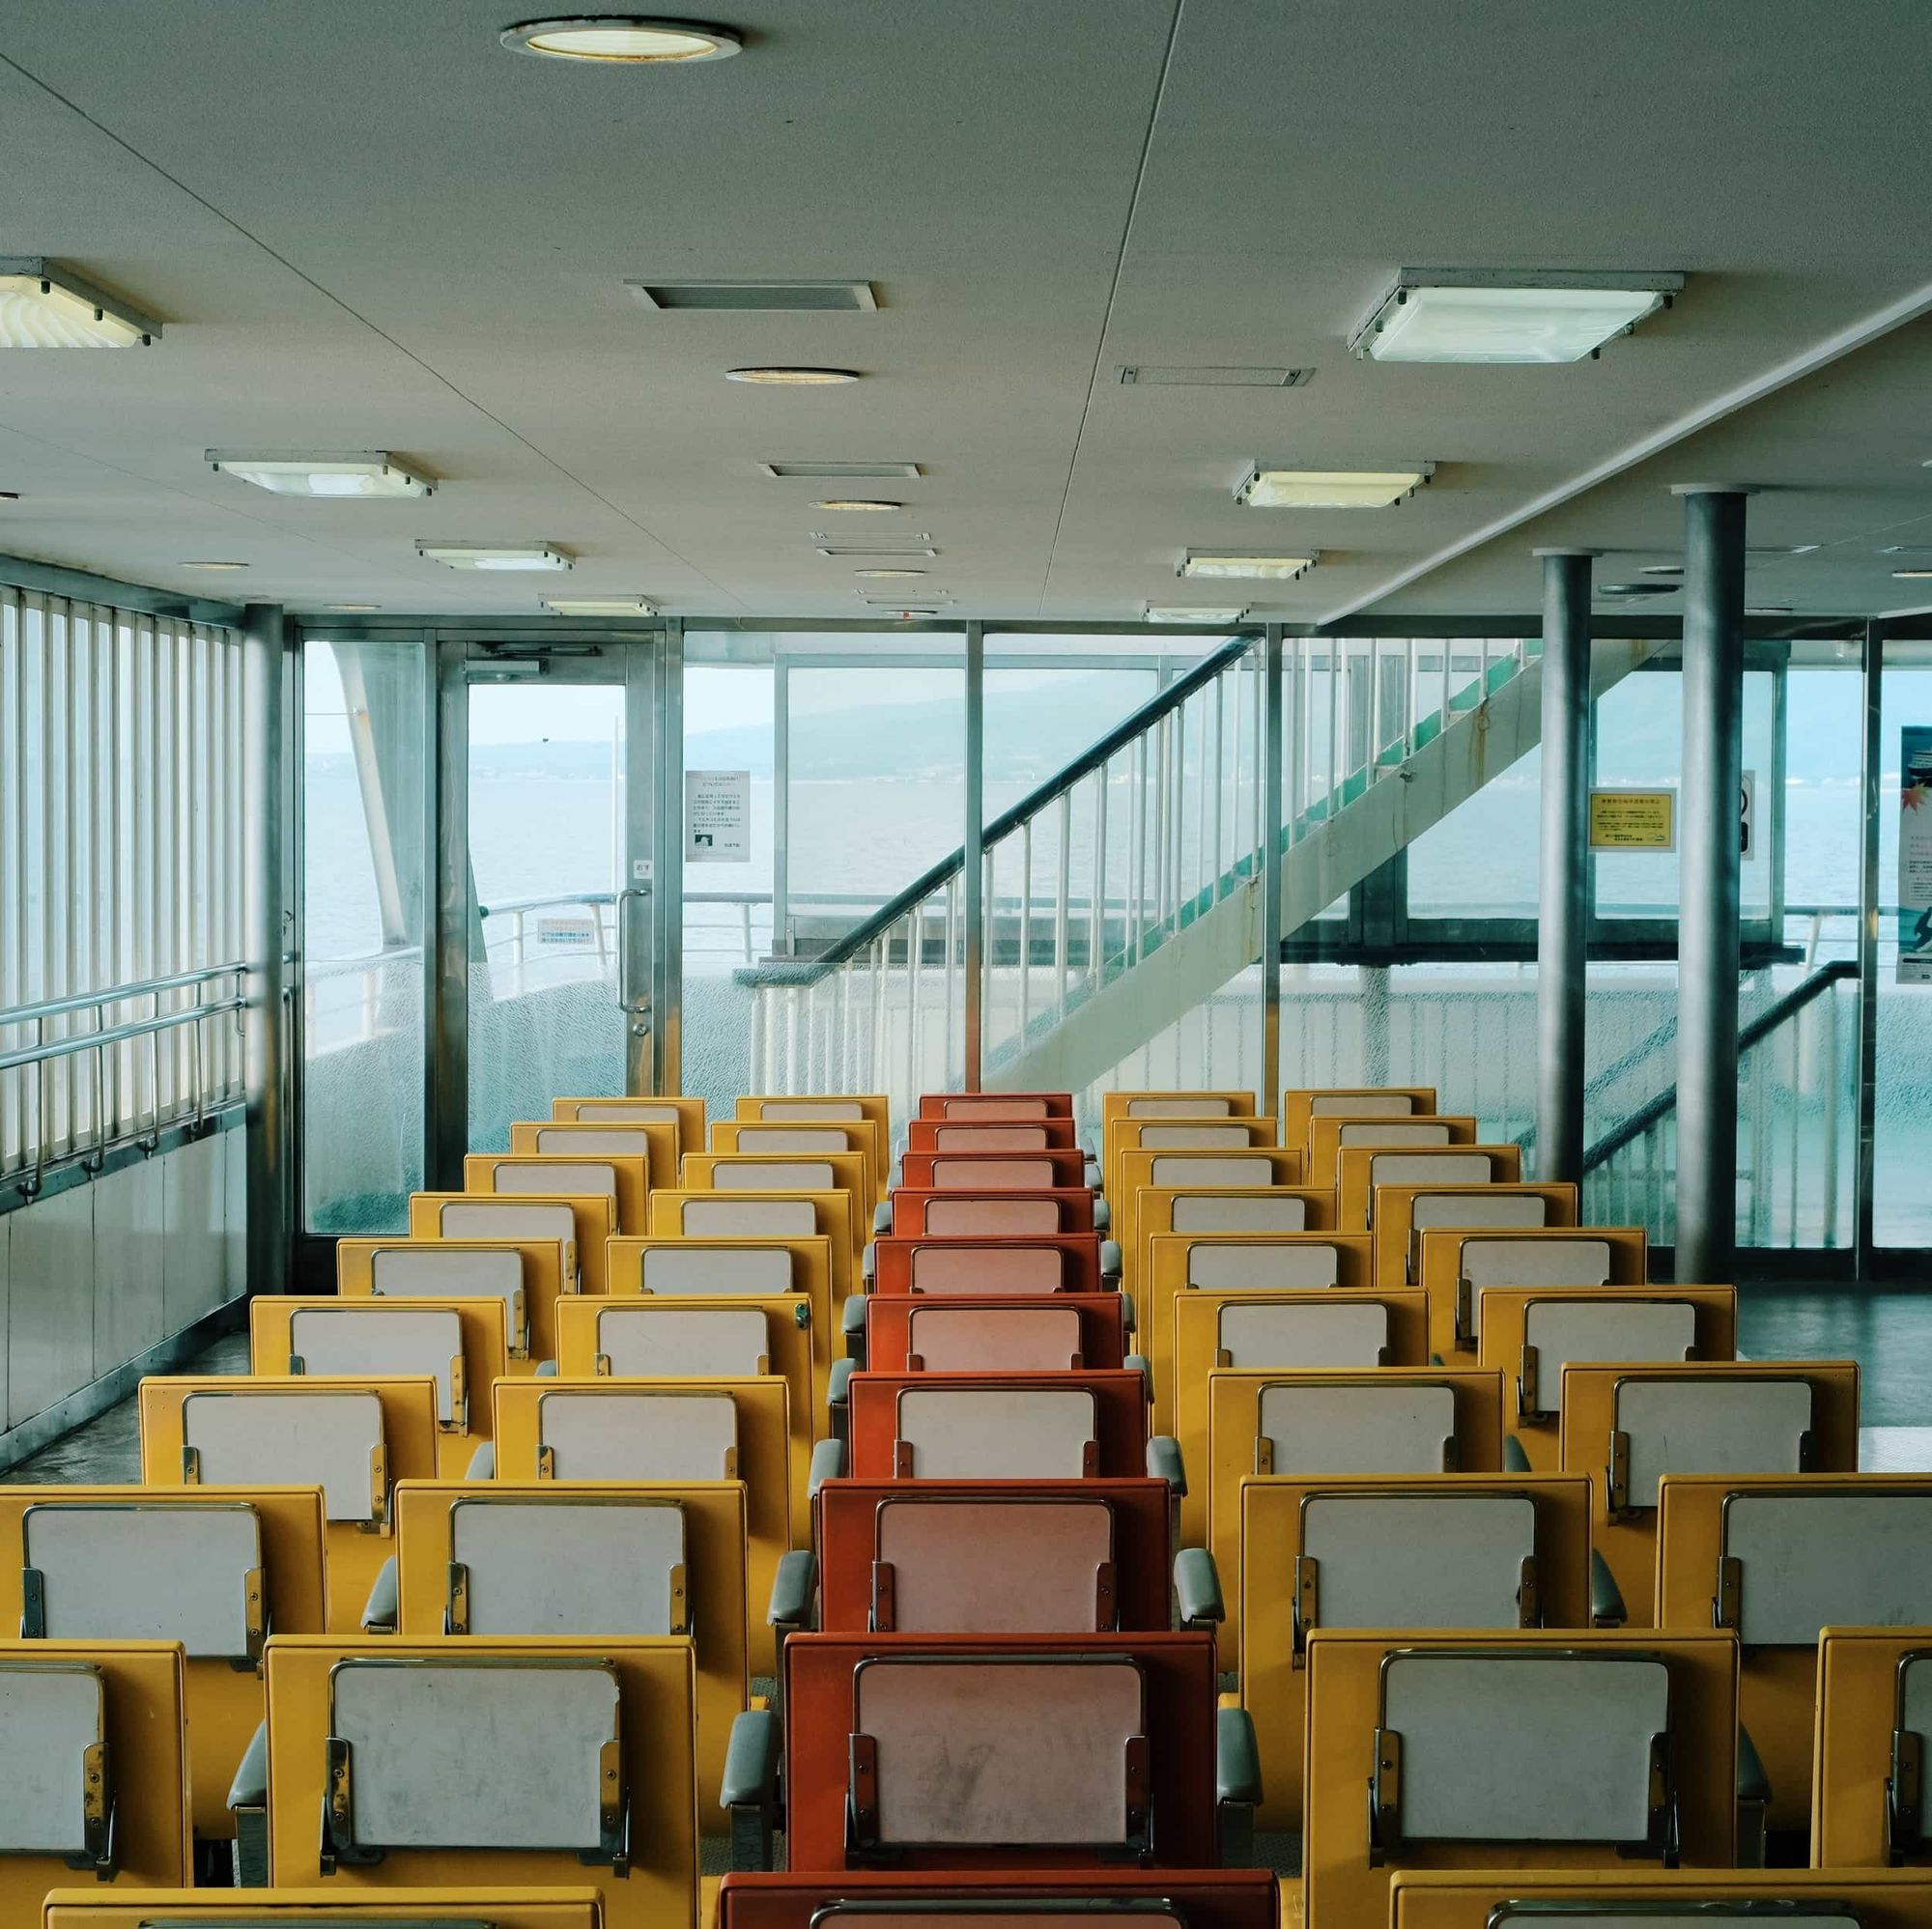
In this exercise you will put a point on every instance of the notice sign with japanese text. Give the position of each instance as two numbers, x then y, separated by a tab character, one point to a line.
1633	820
718	816
1915	854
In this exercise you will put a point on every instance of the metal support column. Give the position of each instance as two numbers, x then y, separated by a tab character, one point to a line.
267	854
974	847
1563	910
1870	757
780	806
1708	871
447	939
1274	721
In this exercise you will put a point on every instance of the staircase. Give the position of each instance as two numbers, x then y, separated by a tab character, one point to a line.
1126	890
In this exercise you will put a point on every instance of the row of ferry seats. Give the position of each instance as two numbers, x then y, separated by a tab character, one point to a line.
674	1497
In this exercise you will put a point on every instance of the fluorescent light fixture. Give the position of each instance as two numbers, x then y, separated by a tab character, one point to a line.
45	305
1913	575
1498	316
495	556
1276	569
600	605
856	505
623	38
888	572
793	378
837	471
213	565
365	472
1331	488
876	550
350	608
1154	612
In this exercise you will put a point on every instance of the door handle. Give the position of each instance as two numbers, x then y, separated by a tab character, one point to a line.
637	1008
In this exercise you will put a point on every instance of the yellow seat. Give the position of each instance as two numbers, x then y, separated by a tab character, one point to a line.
324	1909
1629	1425
810	1108
474	1215
1484	1551
1252	1261
1456	1265
1530	1333
667	1430
1301	1105
1153	1104
655	1141
657	1109
354	1439
794	1138
1390	1420
763	1172
396	1765
1527	1751
1405	1212
525	1276
705	1214
719	1336
1833	1898
622	1177
93	1768
1362	1172
458	1343
1779	1560
1331	1133
1279	1332
1221	1209
212	1571
498	1559
1873	1687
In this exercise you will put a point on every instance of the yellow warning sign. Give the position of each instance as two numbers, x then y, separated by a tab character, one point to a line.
1633	820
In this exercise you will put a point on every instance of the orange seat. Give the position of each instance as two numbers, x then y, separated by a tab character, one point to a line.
1004	1172
989	1262
1031	1425
997	1106
990	1135
995	1332
990	1207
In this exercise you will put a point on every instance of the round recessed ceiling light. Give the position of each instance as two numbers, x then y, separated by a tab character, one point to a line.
622	39
856	503
793	378
887	571
214	565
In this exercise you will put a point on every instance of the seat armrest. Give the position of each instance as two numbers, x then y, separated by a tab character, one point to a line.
1130	1318
750	1787
1753	1802
1515	1459
1093	1175
482	1463
1197	1588
853	1316
1238	1785
1103	1216
882	1218
792	1589
546	1370
250	1787
1164	1461
1141	1361
828	1463
379	1613
838	1398
1607	1599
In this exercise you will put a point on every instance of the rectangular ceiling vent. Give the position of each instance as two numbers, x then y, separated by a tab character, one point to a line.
757	296
837	471
876	550
1168	375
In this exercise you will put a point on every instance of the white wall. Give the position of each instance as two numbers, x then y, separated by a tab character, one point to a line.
93	1276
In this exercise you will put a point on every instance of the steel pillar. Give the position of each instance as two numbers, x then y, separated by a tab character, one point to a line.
1708	883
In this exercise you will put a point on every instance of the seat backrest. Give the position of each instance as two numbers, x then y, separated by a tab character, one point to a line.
652	1342
365	1340
655	1434
1633	1898
331	1438
1705	1426
1260	1266
996	1433
1005	1565
991	1213
995	1266
187	1571
572	1564
1557	1332
710	1268
53	1745
422	1269
1360	1426
1237	1212
1007	1338
722	1217
1337	1332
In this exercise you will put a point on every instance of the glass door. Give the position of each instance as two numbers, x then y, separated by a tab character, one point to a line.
546	936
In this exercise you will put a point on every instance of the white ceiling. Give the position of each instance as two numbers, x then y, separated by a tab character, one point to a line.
365	225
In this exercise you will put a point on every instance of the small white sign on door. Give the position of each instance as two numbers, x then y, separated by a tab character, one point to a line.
718	816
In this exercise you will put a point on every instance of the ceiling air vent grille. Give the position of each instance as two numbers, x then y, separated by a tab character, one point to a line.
1167	375
835	472
757	296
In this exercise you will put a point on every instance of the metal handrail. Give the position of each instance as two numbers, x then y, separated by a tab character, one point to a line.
1135	724
119	1035
118	994
1760	1028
